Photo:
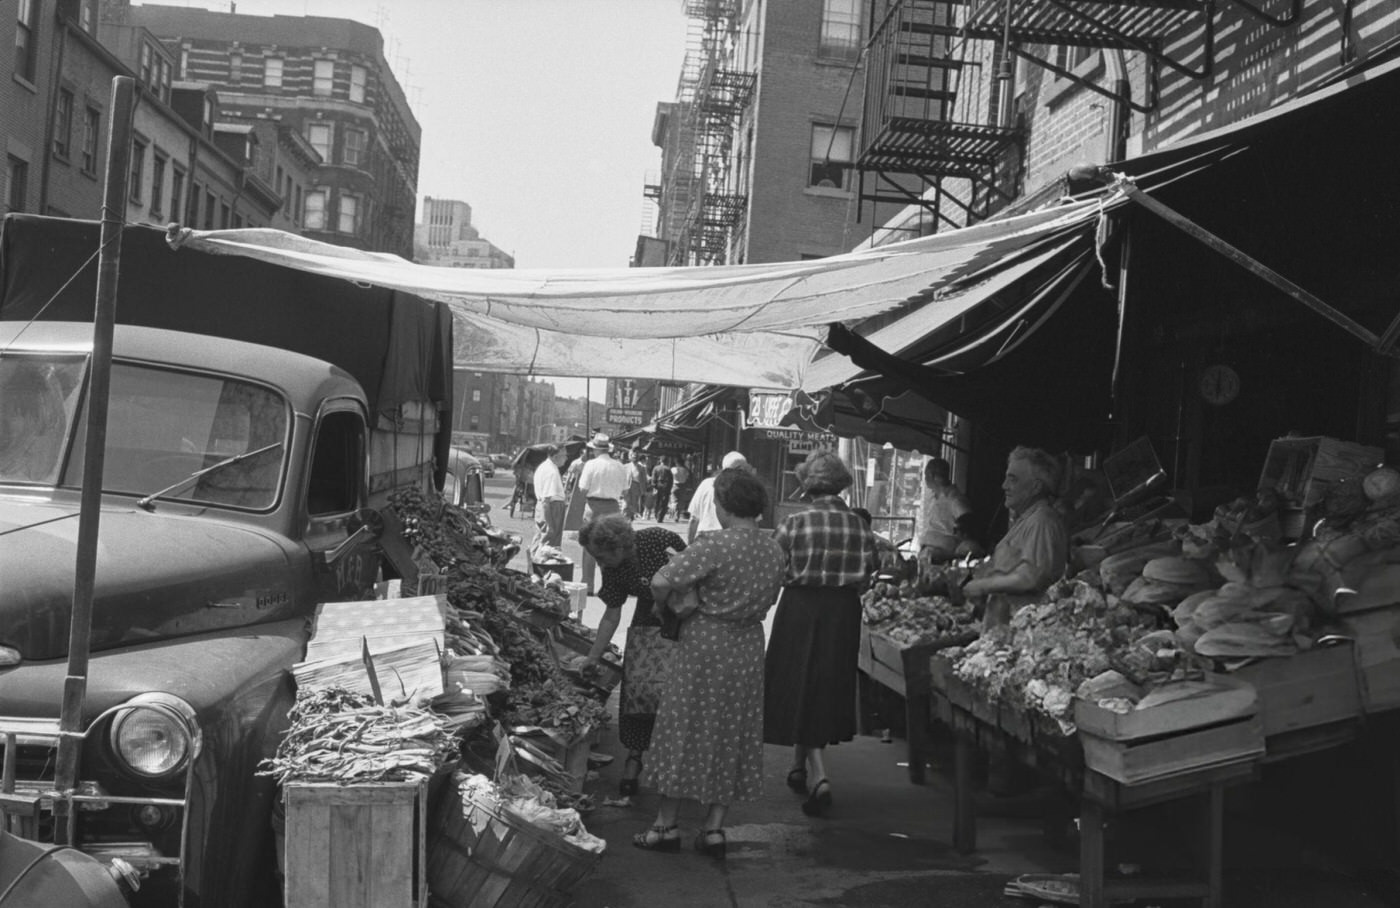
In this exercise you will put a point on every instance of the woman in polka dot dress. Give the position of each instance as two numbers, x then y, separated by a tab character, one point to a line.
708	742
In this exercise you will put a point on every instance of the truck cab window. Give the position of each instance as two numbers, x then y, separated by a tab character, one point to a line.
337	464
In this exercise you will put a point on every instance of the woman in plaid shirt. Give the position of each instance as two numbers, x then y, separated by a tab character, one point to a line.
810	669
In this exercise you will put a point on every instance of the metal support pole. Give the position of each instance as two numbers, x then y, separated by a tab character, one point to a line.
70	723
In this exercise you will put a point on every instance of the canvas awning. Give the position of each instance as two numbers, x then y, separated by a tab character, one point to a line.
740	325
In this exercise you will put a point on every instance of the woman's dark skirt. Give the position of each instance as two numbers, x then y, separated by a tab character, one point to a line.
809	678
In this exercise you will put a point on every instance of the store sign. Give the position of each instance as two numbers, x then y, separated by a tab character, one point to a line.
767	410
626	416
797	440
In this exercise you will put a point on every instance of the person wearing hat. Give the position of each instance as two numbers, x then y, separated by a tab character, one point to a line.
1035	550
549	495
702	504
602	483
809	673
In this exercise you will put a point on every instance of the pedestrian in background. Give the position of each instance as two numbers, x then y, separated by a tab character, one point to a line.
709	728
636	488
602	482
549	497
703	518
661	479
680	488
939	509
629	559
810	670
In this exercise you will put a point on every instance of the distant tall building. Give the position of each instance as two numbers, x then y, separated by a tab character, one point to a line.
325	80
446	238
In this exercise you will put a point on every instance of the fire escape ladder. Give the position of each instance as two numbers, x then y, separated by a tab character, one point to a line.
1295	9
909	125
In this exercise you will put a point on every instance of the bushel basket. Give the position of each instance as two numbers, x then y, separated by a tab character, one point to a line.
487	858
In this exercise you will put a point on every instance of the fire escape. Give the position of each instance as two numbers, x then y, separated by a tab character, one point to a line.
698	210
912	138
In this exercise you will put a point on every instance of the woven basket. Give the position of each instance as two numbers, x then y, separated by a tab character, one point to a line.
487	858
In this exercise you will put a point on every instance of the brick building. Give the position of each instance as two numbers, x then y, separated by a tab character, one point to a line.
327	81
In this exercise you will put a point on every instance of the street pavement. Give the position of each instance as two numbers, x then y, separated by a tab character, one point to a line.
886	842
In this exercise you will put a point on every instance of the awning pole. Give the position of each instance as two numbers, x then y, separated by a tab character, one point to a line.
1249	263
70	719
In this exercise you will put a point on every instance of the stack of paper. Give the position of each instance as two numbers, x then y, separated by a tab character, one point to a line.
404	639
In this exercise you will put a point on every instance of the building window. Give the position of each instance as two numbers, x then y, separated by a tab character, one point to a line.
297	209
134	186
144	68
831	156
162	79
476	395
354	151
208	210
63	124
177	187
16	183
272	72
840	34
194	204
86	18
315	216
319	135
184	63
349	214
223	216
235	68
358	75
26	38
157	183
92	129
323	78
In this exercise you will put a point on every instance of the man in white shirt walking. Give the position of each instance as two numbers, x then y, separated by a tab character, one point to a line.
603	483
702	504
549	498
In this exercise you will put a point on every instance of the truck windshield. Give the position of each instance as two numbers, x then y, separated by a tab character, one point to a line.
163	425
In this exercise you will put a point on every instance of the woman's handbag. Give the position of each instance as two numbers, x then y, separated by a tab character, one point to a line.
645	665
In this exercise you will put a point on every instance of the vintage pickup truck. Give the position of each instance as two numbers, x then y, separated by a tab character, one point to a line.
258	418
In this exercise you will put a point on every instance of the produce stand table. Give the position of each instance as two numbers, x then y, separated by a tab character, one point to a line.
904	669
1307	702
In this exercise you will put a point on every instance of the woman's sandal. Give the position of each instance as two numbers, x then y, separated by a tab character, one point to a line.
819	801
712	843
658	838
628	786
797	780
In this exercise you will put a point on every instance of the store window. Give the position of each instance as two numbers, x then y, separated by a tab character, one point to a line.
840	31
235	68
272	72
92	129
16	183
319	135
26	38
358	77
323	78
354	151
349	214
63	124
831	156
315	216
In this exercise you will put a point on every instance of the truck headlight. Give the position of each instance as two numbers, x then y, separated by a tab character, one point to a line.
155	734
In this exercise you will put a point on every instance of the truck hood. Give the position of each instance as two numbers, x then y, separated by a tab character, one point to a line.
159	575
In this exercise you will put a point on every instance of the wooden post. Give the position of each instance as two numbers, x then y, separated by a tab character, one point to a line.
1091	855
964	809
123	105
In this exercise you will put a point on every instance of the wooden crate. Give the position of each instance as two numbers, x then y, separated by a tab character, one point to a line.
356	846
1316	687
1377	635
1231	698
1146	759
1300	469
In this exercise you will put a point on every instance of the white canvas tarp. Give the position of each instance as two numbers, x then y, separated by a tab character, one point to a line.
753	326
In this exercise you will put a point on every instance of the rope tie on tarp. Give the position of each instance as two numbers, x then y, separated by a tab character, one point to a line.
1101	230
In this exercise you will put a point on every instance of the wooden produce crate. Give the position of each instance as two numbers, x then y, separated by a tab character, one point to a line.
1231	698
1300	469
1146	759
1377	636
356	846
1308	689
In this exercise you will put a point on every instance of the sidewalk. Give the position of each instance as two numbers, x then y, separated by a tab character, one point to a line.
886	842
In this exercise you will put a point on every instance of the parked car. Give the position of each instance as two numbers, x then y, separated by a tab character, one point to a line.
462	486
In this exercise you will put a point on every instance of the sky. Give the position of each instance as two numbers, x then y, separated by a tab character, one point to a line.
537	113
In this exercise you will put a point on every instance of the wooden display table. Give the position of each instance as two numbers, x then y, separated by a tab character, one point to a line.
904	670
